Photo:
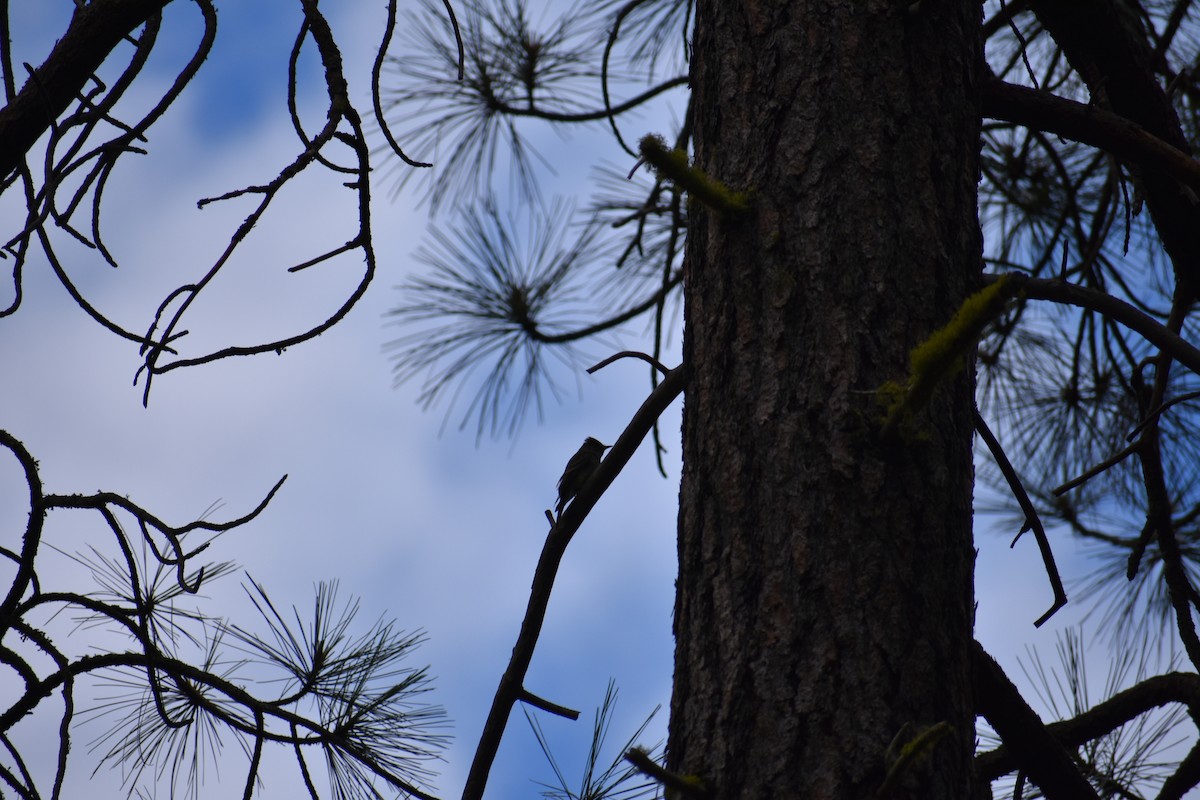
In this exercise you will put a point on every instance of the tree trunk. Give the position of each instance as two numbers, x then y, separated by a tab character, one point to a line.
825	577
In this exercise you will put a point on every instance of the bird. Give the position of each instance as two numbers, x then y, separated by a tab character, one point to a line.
581	467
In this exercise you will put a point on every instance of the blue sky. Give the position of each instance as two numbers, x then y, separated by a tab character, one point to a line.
428	529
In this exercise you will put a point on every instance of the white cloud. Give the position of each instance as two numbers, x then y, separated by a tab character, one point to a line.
432	531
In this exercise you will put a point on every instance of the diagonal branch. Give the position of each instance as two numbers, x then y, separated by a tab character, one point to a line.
1089	124
1036	752
95	30
1101	46
1101	719
1060	291
511	688
1032	520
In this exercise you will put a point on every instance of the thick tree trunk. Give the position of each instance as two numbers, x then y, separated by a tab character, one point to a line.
825	587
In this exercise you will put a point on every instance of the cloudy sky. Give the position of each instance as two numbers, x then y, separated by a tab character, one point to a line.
408	514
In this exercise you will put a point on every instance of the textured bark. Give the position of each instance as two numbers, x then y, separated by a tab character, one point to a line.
825	588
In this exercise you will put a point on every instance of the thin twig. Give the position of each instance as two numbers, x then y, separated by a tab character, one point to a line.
1032	520
651	360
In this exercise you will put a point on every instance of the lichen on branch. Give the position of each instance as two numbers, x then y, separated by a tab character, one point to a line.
672	164
940	356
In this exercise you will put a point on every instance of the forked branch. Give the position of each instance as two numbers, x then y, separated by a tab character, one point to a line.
511	688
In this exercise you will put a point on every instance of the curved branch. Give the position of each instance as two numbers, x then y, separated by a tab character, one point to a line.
497	105
33	529
1103	49
651	360
340	109
608	46
1032	520
95	30
1088	124
102	499
377	69
1156	333
1185	777
182	671
1101	719
612	322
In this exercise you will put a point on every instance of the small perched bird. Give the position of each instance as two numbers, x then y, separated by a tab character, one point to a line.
579	469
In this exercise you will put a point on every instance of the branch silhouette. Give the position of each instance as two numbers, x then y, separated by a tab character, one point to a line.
511	687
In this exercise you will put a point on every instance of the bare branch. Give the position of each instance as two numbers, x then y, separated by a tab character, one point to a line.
511	688
1039	755
1091	125
1118	310
1032	520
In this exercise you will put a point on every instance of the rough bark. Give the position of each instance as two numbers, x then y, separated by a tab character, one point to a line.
825	588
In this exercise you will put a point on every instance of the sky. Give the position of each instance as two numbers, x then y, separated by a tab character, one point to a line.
414	518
